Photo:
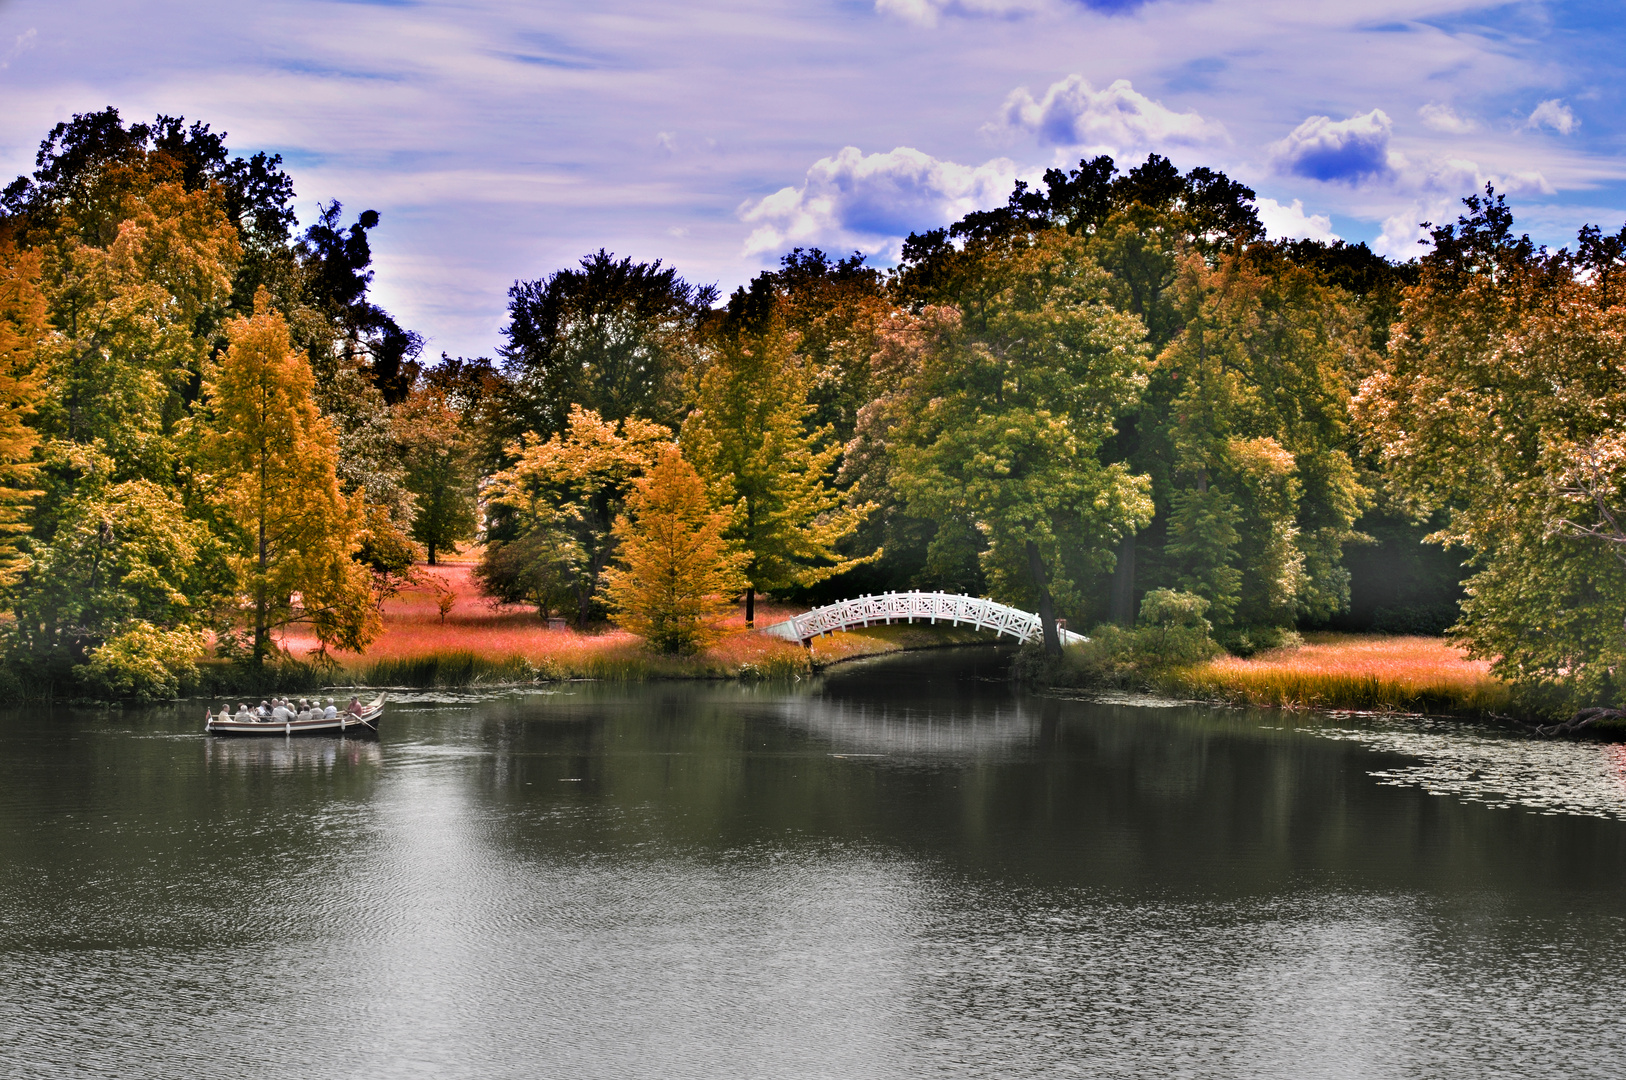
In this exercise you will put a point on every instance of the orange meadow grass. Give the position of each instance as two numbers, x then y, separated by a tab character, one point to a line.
482	643
1349	671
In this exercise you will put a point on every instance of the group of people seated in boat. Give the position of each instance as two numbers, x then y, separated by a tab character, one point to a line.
278	711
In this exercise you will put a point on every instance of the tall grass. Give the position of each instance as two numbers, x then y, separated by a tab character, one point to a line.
1344	671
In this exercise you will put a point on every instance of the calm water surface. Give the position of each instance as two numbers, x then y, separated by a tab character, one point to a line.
907	869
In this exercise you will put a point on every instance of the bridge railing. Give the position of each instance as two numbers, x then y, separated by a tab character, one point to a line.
954	608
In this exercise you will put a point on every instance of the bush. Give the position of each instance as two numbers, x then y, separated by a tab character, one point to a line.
143	663
1172	632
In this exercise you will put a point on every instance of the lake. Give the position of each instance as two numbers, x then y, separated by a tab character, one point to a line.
906	868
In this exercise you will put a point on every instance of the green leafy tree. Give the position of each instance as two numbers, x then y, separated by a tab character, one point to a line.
747	437
573	484
439	471
268	460
678	574
1248	427
1000	430
120	552
612	336
1498	403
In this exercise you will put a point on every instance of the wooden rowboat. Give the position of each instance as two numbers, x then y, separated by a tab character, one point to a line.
344	723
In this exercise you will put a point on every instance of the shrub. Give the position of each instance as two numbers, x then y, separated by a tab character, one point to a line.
1172	632
143	663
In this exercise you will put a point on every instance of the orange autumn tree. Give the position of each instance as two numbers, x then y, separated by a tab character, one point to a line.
269	459
678	575
22	323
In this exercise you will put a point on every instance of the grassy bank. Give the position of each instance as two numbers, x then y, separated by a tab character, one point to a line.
479	644
1349	671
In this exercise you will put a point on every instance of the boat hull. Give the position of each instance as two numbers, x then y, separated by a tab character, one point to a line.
343	724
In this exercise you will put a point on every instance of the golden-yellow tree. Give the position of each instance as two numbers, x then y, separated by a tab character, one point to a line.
22	323
748	437
268	459
678	575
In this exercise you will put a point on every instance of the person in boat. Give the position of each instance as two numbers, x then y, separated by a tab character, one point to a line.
304	710
242	712
354	708
280	713
330	711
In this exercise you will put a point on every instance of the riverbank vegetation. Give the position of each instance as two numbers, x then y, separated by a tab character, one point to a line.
1112	400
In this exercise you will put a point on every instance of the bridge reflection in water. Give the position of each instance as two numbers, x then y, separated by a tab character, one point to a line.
896	731
933	607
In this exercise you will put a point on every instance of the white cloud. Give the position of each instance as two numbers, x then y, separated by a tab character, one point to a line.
1553	114
1445	119
1437	193
1071	113
1292	223
1347	150
667	141
869	201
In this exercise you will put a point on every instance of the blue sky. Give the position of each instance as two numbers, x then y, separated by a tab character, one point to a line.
502	140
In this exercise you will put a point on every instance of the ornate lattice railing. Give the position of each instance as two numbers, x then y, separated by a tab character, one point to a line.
932	607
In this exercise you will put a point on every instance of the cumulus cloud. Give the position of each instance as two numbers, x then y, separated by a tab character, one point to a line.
869	201
1292	223
1072	113
1553	114
1348	150
1436	196
1445	119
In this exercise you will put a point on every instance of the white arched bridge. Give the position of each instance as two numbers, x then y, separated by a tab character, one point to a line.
932	607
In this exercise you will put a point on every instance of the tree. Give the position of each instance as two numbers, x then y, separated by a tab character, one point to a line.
575	484
268	460
22	326
613	336
747	437
1000	430
679	576
132	325
119	553
537	567
1498	403
337	263
835	310
436	453
1248	433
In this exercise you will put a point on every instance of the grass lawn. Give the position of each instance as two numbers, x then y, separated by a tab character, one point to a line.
1353	671
479	642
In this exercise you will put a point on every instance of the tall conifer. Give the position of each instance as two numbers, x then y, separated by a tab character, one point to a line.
270	461
679	575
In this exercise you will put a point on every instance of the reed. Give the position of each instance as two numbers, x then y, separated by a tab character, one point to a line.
1345	671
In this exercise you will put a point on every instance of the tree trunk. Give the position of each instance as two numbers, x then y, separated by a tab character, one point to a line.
1047	610
1123	584
750	606
431	553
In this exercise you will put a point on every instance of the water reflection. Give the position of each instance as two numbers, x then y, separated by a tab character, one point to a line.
282	755
904	869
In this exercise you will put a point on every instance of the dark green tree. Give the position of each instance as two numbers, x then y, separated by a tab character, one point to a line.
613	336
